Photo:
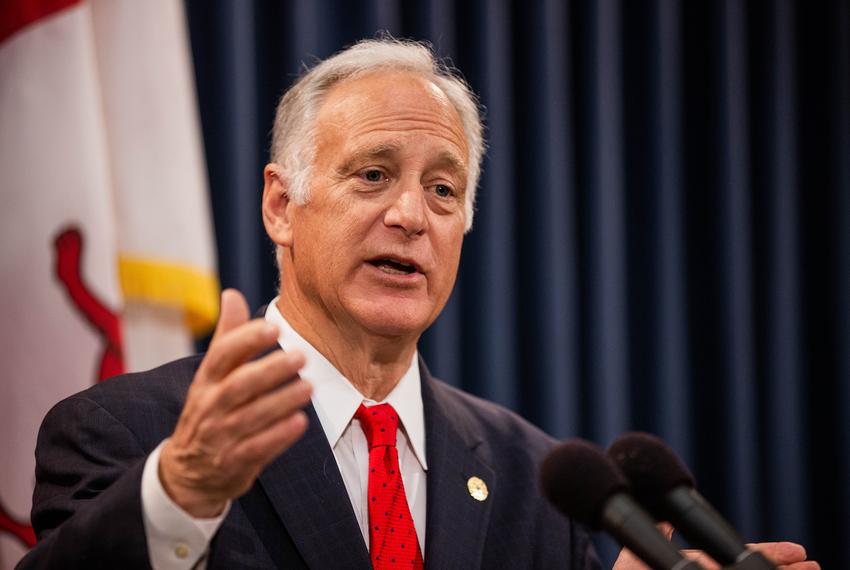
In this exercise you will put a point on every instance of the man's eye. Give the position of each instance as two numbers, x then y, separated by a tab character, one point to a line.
373	175
443	191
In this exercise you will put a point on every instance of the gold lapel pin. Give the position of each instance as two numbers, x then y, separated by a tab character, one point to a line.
477	488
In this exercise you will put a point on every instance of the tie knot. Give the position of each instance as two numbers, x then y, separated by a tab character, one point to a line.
379	423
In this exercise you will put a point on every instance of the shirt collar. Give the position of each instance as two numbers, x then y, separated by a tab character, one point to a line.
335	398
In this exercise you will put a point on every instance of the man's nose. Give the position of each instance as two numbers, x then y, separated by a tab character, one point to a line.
408	210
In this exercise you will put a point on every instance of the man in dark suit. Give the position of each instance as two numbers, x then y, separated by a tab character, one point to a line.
234	461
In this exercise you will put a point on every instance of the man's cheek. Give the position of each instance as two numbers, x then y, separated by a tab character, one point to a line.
349	233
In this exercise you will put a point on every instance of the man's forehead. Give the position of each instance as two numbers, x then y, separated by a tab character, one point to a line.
389	84
375	113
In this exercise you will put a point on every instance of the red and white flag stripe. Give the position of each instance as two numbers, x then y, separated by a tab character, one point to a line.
108	257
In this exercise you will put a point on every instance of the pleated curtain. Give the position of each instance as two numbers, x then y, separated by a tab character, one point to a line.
662	235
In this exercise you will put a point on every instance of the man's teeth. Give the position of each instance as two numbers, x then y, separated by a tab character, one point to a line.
394	267
391	270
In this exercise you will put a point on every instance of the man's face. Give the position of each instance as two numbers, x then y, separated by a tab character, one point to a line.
378	244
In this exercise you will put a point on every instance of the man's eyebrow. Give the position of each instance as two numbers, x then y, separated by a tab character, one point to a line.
378	151
450	160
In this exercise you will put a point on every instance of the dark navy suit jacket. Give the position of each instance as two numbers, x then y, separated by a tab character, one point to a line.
91	449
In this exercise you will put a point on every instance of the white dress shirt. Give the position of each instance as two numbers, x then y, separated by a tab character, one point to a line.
177	541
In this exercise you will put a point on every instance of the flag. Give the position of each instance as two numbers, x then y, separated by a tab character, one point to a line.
107	250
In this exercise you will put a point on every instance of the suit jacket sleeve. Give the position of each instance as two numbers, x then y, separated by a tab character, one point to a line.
87	509
551	537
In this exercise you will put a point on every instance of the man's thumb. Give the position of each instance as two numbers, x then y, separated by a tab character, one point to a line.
234	311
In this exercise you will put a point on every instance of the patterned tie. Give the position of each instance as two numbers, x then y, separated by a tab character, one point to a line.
392	536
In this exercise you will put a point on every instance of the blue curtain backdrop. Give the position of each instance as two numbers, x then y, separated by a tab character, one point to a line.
662	239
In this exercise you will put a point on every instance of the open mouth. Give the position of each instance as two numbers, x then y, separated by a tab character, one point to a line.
393	266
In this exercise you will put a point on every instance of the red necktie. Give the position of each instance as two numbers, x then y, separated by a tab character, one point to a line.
392	537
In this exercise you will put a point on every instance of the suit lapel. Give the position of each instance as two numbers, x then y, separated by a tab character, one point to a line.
306	490
456	522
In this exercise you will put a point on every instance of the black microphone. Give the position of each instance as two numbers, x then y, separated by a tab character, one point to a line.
665	486
586	485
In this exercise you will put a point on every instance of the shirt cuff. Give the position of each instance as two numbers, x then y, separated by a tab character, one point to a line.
176	540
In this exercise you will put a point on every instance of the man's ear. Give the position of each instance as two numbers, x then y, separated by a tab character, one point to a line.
278	209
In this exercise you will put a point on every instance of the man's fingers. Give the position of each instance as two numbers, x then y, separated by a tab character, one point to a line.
266	410
701	558
666	529
781	552
236	347
257	377
784	554
264	446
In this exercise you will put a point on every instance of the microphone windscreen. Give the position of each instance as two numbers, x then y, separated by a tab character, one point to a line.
652	468
578	478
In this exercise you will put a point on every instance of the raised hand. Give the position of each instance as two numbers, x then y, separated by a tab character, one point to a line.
239	414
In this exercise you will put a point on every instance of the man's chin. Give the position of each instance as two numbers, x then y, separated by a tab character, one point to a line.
394	320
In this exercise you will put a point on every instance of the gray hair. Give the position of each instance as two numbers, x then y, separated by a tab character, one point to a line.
294	131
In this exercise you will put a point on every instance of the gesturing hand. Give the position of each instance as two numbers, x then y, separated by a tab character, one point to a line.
239	414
